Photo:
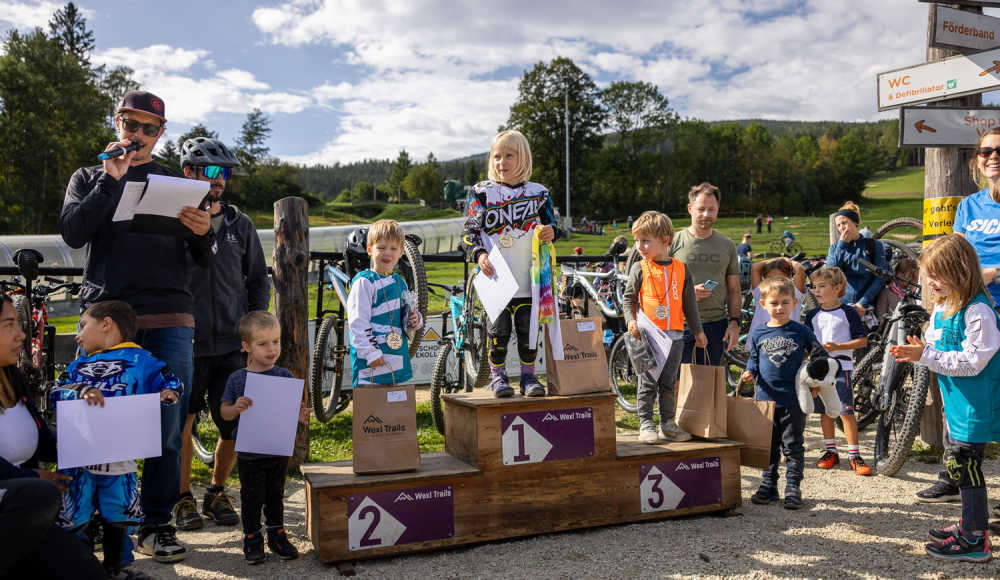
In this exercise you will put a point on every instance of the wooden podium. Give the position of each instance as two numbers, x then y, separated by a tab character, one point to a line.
516	467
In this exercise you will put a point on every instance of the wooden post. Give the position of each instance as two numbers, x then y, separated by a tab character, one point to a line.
291	299
946	175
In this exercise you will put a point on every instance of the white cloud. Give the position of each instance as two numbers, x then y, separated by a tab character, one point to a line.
24	15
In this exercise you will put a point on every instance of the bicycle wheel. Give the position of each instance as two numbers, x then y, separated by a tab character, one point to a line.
906	231
777	247
900	251
898	426
23	307
477	363
203	453
445	379
866	376
623	379
794	248
411	266
327	372
809	303
735	361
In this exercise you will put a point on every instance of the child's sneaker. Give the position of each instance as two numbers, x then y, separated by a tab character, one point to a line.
669	431
765	495
530	387
859	466
253	548
123	571
647	434
940	492
793	498
941	534
828	460
961	548
278	542
500	385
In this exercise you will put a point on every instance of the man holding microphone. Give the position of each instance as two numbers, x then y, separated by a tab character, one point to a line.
150	273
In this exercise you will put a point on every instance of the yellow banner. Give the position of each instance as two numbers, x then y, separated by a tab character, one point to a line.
939	216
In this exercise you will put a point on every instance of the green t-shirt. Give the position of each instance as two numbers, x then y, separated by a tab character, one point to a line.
713	258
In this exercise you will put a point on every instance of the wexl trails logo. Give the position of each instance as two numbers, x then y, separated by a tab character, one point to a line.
375	427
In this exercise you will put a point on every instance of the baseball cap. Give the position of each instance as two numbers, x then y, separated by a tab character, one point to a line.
144	102
578	249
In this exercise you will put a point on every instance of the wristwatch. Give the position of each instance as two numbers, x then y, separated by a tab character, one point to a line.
738	320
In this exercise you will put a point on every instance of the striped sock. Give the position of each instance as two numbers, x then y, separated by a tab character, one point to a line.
854	450
831	445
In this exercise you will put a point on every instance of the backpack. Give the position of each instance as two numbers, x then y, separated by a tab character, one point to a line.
886	249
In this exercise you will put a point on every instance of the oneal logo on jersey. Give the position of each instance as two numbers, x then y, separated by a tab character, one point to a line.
516	214
372	419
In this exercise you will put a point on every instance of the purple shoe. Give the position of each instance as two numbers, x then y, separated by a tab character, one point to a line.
530	387
500	385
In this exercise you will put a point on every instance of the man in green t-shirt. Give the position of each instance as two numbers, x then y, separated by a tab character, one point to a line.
711	257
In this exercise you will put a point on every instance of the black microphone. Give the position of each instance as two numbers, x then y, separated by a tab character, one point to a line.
119	151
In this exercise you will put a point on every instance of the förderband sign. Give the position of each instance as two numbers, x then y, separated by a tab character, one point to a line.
974	3
963	31
944	126
944	79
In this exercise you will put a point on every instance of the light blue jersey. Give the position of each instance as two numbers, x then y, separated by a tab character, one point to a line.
978	218
374	310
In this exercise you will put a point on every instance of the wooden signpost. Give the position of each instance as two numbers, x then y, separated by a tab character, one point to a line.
944	126
971	3
962	31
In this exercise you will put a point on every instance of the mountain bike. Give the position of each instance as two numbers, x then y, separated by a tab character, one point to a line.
782	247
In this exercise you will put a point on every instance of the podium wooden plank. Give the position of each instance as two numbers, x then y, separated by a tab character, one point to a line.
629	448
486	399
339	474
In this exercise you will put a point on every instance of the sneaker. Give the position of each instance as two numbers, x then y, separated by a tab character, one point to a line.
530	387
793	498
186	514
123	571
647	434
828	460
253	548
940	492
219	507
500	385
278	542
942	534
765	495
859	466
669	431
161	543
959	547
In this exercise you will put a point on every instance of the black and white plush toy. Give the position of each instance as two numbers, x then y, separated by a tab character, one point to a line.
820	371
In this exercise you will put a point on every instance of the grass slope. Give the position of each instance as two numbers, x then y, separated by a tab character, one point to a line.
906	180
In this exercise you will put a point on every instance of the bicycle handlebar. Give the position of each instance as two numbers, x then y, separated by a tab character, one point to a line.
887	276
453	288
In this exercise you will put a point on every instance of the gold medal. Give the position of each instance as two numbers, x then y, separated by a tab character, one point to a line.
661	312
506	241
394	341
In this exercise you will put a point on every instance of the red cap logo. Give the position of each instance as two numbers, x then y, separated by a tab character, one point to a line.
156	104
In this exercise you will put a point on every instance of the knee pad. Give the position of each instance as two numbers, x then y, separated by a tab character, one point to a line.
497	347
86	533
965	467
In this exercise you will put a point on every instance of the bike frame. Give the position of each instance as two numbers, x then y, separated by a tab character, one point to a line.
583	278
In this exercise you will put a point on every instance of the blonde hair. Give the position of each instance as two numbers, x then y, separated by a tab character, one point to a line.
952	260
977	176
384	230
517	143
834	276
776	285
254	321
655	224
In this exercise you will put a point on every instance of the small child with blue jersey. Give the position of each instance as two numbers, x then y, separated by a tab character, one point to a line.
777	350
840	330
114	367
377	314
962	341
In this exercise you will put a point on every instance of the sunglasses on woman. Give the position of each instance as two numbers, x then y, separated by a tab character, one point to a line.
131	126
213	171
987	152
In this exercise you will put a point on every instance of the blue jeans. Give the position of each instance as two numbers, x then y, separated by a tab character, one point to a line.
715	332
161	476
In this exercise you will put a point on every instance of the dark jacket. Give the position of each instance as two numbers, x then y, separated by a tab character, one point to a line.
236	283
46	450
149	272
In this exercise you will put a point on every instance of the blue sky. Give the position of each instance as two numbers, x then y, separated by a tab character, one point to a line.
344	80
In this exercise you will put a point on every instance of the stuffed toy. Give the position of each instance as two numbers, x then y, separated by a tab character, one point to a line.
820	371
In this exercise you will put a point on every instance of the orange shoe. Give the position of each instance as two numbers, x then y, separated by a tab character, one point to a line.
859	466
828	460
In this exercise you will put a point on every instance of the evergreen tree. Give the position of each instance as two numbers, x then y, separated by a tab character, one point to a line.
198	130
169	156
400	168
471	173
69	27
250	149
115	83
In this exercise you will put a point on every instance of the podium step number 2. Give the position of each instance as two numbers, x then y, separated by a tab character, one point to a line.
547	435
406	516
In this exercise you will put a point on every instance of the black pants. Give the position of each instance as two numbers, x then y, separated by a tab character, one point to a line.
787	437
31	545
210	376
262	487
758	227
498	333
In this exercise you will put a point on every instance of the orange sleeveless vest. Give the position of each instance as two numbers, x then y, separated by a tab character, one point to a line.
667	290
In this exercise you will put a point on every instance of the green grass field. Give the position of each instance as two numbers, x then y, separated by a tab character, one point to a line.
906	180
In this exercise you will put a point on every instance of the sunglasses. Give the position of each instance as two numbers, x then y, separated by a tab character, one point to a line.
131	126
213	171
986	152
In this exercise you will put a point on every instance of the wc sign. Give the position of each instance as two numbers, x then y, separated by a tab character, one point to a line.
969	74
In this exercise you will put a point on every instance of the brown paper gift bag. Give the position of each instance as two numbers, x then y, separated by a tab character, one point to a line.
701	399
385	429
584	368
750	422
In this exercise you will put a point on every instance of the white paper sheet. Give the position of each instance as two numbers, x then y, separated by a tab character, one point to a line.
129	201
268	426
496	291
166	196
125	428
658	341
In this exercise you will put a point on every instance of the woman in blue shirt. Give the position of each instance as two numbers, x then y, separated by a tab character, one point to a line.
978	216
862	285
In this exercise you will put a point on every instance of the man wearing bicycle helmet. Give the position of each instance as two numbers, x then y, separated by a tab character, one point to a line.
235	284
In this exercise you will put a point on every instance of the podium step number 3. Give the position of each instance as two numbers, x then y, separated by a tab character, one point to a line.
547	435
674	485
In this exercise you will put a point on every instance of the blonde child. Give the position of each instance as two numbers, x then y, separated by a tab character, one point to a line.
783	268
962	339
840	330
662	288
505	211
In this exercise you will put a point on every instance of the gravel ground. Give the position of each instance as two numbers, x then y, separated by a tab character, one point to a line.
852	527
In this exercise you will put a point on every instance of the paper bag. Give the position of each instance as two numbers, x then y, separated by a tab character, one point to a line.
385	429
701	400
584	368
750	421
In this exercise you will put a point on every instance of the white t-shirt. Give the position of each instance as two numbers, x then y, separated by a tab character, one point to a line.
841	324
760	316
18	434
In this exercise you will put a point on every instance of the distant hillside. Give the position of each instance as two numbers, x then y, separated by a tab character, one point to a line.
817	128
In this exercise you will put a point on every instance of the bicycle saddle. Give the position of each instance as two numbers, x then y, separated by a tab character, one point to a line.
617	248
27	261
912	308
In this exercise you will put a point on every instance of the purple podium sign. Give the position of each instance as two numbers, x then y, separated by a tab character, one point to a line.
547	435
673	485
404	516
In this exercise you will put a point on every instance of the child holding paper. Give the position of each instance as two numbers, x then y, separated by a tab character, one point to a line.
262	477
505	212
662	288
114	367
